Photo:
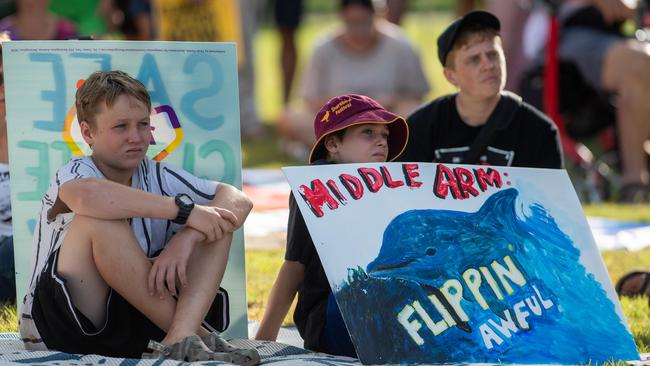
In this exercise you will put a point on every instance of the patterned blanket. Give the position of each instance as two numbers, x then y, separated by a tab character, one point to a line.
12	352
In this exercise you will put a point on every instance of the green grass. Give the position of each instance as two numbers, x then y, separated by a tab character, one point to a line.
421	28
619	262
619	212
8	318
637	310
262	267
265	152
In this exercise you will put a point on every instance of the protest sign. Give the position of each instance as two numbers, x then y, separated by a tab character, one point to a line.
434	263
195	125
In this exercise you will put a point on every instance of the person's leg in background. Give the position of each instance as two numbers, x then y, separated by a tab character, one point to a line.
622	67
251	126
7	270
288	14
626	70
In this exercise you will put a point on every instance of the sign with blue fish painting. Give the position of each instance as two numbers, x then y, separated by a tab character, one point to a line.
434	263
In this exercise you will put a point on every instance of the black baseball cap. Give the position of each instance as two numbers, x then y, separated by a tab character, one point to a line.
448	37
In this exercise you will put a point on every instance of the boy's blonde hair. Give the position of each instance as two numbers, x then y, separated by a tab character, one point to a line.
106	87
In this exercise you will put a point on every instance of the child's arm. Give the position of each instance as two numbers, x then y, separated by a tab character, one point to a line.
226	198
104	199
233	200
282	294
171	264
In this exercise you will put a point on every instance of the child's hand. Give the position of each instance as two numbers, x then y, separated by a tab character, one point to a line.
213	222
171	264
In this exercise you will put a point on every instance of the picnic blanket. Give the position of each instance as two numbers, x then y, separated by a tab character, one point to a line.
12	352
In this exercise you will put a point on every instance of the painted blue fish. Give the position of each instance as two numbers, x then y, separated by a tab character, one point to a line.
422	249
431	246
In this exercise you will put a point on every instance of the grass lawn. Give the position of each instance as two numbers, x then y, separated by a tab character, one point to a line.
8	318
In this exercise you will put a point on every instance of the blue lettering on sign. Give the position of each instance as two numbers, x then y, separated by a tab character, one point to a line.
227	154
149	71
63	147
31	224
40	172
189	100
56	96
188	158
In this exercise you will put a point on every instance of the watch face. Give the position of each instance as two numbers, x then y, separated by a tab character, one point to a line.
185	199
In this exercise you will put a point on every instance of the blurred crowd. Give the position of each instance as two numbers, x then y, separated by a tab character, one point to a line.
365	44
604	76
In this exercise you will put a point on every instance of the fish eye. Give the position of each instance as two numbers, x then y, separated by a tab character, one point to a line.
430	251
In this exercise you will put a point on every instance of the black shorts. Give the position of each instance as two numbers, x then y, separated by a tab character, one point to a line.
126	332
288	13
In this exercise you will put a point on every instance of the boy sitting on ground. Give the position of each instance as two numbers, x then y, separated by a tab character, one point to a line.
129	252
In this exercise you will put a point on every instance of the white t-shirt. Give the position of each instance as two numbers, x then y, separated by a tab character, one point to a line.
393	68
5	202
152	234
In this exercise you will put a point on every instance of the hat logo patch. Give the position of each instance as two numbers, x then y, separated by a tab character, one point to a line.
342	106
326	117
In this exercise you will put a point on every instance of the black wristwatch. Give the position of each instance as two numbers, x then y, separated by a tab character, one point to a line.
185	205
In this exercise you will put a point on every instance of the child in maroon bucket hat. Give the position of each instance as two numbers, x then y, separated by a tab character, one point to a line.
361	112
349	129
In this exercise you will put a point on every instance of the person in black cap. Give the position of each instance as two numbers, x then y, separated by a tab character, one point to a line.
482	123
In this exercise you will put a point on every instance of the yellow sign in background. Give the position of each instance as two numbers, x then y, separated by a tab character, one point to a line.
200	21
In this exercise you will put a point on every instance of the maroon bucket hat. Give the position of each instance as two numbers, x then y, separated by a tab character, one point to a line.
351	109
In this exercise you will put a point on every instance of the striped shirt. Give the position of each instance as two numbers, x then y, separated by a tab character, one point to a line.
152	234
